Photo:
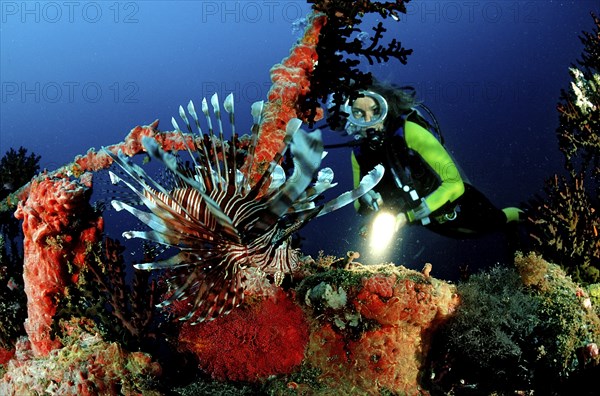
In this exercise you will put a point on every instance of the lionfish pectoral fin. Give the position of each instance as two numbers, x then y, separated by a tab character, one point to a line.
306	149
182	259
149	196
136	173
277	178
151	220
170	161
366	184
293	222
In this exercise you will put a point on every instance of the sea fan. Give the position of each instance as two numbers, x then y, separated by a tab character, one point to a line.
219	222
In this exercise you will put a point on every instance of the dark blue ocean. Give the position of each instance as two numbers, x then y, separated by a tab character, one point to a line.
76	75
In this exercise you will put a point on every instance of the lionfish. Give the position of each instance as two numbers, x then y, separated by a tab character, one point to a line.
219	222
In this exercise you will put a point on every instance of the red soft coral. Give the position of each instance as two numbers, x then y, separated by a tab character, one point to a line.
250	343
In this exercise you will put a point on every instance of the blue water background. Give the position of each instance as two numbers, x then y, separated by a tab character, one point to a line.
76	75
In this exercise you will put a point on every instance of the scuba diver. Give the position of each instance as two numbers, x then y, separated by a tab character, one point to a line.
422	183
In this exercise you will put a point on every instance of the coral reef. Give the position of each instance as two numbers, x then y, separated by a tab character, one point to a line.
338	75
61	228
565	222
250	344
567	326
530	330
291	81
56	235
122	308
365	330
86	365
379	339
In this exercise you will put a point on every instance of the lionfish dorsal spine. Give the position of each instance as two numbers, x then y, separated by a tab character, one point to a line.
212	138
190	131
214	101
176	126
228	106
206	170
257	110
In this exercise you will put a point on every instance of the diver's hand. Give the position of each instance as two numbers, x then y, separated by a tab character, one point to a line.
371	200
401	220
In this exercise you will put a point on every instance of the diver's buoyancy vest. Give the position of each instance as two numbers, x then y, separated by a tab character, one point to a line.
402	163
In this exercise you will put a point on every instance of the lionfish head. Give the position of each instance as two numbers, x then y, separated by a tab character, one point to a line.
219	222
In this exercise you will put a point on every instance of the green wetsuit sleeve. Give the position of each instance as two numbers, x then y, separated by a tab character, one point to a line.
355	177
435	155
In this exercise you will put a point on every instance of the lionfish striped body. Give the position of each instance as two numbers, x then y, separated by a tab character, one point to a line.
218	221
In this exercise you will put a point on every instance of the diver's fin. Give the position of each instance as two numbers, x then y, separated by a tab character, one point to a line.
514	215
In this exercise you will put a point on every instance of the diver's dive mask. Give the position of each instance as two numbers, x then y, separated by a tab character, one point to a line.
356	124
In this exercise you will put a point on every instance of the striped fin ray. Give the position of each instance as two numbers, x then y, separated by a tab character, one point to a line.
228	106
175	213
149	197
170	228
220	299
323	183
269	217
189	128
366	184
217	287
203	181
157	223
212	138
257	109
139	175
182	259
306	149
169	161
214	101
206	169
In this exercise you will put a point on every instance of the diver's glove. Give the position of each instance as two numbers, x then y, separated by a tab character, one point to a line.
421	212
371	200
